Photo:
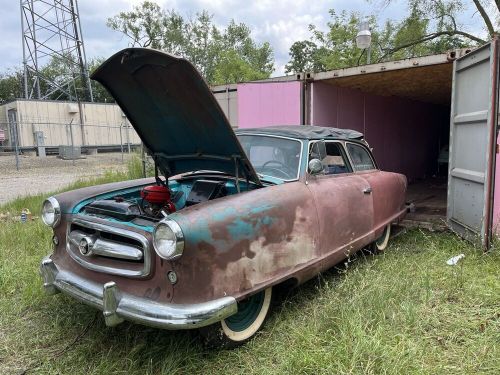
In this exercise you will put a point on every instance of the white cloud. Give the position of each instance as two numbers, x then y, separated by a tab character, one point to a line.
280	22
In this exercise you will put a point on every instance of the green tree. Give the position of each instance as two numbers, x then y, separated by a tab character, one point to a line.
11	85
57	72
430	27
100	94
305	56
336	47
220	54
443	31
232	68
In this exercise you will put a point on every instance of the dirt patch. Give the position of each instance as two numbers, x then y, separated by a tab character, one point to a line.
42	175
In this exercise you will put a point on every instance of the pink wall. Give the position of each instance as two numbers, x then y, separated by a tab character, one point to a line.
265	104
405	135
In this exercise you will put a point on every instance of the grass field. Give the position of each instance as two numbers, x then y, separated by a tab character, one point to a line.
401	312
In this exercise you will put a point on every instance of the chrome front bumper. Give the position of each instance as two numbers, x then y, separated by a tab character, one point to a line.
118	306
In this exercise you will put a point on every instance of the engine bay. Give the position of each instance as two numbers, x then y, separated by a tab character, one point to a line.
148	204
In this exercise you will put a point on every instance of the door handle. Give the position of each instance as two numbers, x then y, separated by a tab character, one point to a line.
367	190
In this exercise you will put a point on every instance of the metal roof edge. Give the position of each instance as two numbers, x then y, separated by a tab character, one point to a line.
54	101
413	62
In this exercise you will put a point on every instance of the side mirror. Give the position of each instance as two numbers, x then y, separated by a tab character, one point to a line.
315	166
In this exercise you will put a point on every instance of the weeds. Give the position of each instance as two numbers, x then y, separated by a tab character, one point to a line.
401	312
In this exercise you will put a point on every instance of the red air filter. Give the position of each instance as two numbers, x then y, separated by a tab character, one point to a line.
156	194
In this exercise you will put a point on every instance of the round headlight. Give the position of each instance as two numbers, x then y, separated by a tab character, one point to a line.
51	212
168	239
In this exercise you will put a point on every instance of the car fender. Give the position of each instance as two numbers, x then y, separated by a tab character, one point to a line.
243	243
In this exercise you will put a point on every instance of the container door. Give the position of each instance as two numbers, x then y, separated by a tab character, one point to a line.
472	143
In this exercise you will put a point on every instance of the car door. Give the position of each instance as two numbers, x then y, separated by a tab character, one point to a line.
344	206
386	188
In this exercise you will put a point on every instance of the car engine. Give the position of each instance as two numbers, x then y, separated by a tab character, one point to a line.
156	201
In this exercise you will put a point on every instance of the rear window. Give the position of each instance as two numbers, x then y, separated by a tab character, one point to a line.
360	157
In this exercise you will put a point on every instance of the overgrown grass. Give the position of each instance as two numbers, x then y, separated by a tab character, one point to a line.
401	312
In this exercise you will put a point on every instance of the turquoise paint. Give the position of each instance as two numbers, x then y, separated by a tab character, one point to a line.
263	208
244	223
194	232
129	224
76	209
174	185
239	228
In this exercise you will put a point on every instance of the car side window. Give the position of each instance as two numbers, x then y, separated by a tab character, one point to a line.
335	161
360	157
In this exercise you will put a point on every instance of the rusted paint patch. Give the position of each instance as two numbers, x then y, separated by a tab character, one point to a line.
245	240
269	258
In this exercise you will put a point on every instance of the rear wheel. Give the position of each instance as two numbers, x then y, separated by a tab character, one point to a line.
381	243
240	327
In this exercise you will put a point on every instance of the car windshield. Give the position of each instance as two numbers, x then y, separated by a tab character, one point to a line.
273	156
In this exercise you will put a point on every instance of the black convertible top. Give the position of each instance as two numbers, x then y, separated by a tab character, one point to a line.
305	132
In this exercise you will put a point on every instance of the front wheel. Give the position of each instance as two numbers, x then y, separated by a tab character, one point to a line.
240	327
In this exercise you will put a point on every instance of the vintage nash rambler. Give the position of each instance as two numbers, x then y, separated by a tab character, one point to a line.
229	215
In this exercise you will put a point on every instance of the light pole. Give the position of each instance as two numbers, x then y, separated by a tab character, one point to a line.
364	38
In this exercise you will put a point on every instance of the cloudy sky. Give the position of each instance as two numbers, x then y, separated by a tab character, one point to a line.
280	22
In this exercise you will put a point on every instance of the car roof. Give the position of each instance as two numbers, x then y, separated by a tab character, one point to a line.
305	132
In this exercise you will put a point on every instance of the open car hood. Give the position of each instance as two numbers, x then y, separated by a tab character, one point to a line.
174	113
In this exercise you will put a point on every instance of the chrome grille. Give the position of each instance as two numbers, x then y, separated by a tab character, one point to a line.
107	249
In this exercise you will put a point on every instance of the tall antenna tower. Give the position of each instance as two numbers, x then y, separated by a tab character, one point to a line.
52	35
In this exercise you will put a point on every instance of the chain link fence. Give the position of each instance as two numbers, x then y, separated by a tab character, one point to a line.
38	157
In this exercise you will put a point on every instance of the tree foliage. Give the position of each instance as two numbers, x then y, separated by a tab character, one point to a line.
222	55
56	71
430	27
11	85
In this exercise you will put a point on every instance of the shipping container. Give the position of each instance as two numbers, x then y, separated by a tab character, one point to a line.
432	118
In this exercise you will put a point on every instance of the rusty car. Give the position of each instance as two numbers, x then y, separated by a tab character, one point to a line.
228	215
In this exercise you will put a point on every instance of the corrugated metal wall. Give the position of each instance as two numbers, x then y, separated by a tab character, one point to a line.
227	97
406	135
270	103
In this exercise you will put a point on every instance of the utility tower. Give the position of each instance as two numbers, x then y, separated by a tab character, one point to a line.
52	34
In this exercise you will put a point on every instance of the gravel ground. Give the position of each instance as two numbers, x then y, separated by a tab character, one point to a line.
43	175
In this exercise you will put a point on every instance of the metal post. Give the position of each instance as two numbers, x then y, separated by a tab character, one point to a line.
143	158
82	122
121	141
368	55
80	50
25	64
16	143
228	105
128	139
72	141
